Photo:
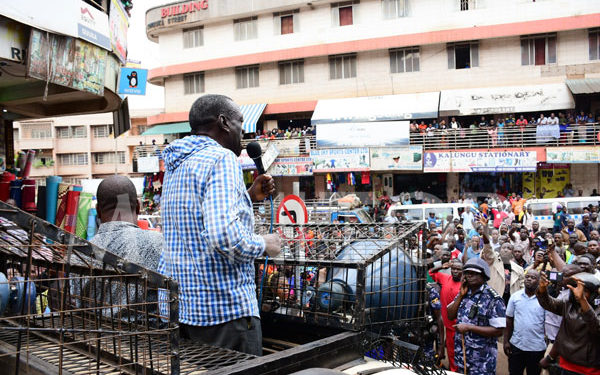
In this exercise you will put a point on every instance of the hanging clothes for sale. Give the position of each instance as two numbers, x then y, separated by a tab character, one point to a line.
329	182
365	178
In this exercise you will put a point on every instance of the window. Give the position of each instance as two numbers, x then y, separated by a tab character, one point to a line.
37	130
246	76
594	36
79	132
193	37
538	49
342	66
193	83
286	22
463	55
141	129
343	13
468	4
291	72
404	60
108	157
62	132
394	8
73	159
101	131
245	28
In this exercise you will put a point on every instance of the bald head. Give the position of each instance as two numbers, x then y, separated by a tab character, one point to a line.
117	200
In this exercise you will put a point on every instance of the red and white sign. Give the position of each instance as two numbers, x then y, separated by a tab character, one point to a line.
292	210
178	9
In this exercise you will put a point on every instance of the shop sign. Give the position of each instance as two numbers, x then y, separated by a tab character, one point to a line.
13	40
92	25
573	155
300	166
384	133
408	158
73	63
475	161
118	24
340	160
132	81
246	161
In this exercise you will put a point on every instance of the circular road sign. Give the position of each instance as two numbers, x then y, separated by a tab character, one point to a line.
292	210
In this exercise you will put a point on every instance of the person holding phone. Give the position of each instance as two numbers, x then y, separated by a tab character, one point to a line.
480	316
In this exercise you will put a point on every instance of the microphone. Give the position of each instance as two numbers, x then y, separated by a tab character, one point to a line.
255	152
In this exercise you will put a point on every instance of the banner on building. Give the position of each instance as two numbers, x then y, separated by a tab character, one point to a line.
547	133
245	161
480	161
92	25
546	182
384	133
118	23
408	158
13	40
72	63
300	166
573	155
340	160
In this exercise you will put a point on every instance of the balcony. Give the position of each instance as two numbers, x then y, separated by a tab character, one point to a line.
72	145
111	168
34	144
103	144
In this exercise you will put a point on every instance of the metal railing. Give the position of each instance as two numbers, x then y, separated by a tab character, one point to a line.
508	137
448	139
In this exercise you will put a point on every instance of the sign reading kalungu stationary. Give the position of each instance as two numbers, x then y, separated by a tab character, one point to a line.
480	161
340	160
384	133
409	158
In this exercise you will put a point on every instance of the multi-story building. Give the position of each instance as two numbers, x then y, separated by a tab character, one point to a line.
436	59
82	147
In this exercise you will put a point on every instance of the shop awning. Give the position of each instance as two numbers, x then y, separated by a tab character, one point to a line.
174	128
251	113
584	86
377	108
508	99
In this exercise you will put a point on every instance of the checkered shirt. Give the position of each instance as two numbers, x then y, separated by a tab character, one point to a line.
208	225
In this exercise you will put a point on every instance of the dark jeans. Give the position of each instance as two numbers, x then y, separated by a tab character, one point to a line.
520	360
243	335
567	372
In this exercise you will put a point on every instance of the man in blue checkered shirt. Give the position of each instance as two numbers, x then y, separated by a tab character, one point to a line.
209	229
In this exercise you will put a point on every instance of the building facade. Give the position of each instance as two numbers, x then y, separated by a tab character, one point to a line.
82	147
293	55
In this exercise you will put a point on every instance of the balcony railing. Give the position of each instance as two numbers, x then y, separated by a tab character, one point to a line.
449	139
508	137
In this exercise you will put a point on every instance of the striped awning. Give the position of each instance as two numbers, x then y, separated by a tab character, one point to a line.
252	113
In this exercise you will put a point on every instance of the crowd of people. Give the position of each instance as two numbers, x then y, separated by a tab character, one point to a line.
536	287
289	133
572	127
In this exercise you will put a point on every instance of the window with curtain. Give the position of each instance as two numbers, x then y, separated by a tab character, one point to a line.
286	22
594	41
394	8
193	83
245	28
193	37
342	66
343	14
463	55
246	76
538	49
291	72
404	60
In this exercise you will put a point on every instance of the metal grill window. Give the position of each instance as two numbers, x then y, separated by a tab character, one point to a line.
343	66
404	60
101	131
62	132
193	37
538	49
108	157
245	28
468	4
73	159
394	8
246	76
193	83
594	37
79	132
291	72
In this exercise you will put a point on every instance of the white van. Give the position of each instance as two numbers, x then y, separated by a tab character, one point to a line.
420	212
543	209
